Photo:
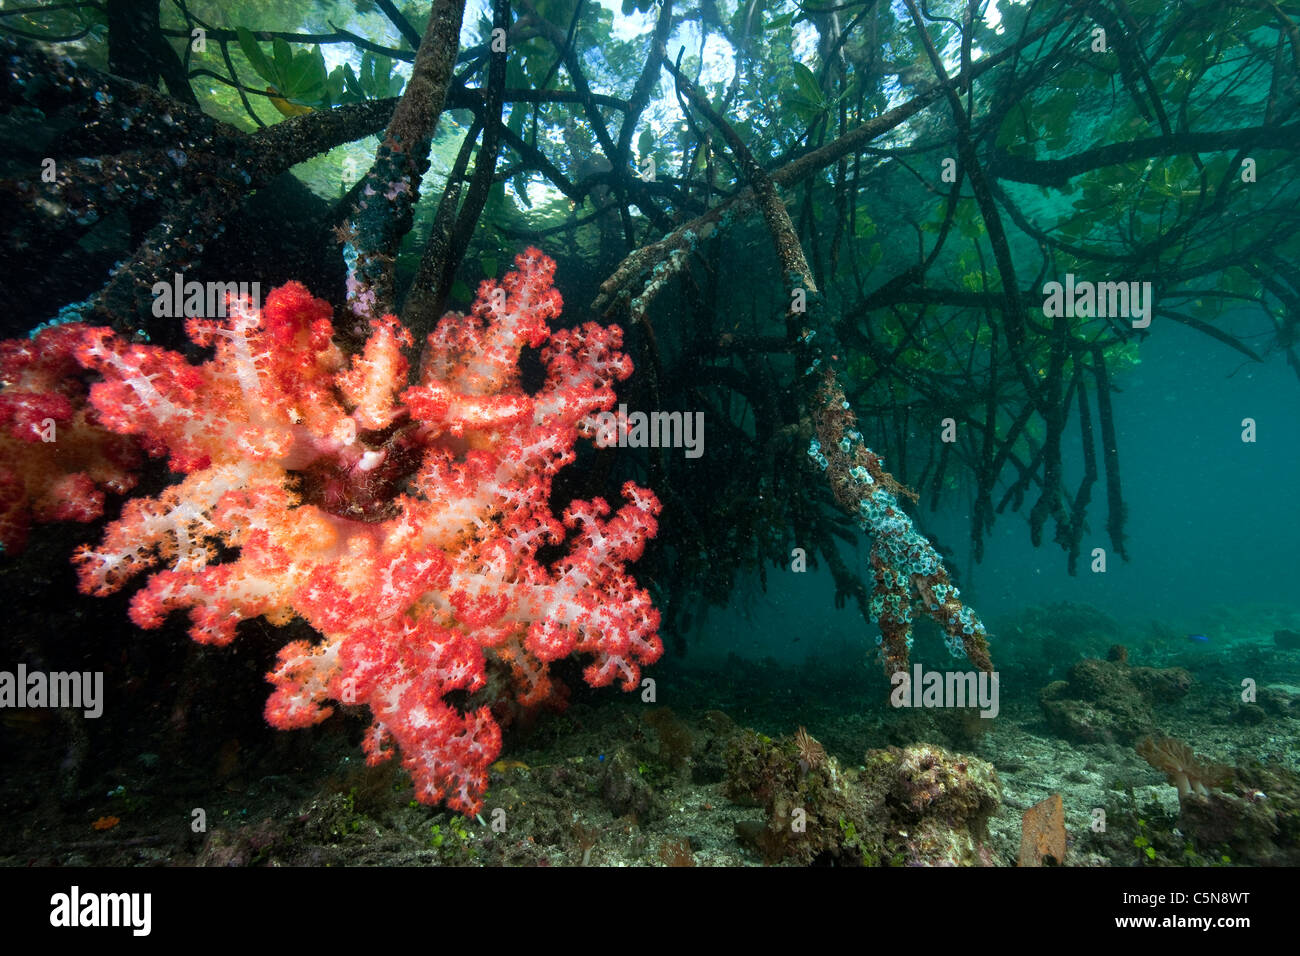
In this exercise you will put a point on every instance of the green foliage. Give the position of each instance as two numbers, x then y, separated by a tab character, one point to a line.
299	77
808	101
376	81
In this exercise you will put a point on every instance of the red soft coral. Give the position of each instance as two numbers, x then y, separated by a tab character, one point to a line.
56	460
402	522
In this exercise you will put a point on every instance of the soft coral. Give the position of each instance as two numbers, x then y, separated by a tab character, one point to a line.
1183	768
56	459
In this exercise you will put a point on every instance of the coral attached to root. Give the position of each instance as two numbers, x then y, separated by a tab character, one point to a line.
907	571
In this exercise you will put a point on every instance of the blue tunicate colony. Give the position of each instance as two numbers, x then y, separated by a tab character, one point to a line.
905	553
